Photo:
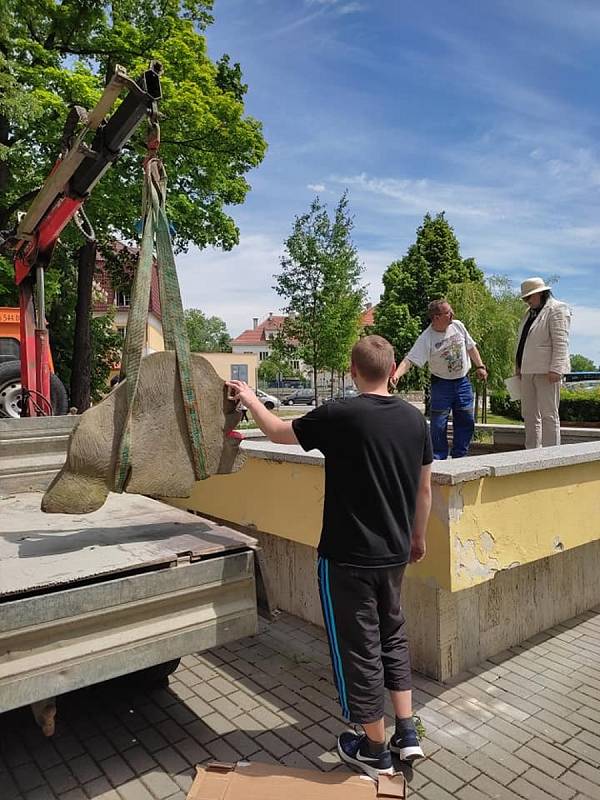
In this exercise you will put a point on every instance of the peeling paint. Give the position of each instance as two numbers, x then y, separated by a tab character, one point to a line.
487	541
472	560
558	545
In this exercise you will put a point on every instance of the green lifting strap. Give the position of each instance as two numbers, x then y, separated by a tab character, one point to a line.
156	227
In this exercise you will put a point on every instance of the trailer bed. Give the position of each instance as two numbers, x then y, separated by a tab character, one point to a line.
133	585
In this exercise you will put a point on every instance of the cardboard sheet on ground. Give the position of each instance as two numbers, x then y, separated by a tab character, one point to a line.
245	781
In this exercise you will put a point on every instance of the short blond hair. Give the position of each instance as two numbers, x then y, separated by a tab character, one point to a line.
373	357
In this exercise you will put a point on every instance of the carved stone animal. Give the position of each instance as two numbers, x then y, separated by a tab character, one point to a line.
160	454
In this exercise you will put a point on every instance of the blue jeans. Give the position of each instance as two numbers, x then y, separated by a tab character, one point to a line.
454	396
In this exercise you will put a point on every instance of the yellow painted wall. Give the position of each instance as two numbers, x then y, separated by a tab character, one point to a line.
476	528
517	519
286	499
222	363
154	338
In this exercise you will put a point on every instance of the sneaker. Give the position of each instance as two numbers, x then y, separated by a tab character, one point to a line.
352	748
407	746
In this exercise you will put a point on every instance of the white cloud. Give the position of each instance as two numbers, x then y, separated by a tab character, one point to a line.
235	286
316	187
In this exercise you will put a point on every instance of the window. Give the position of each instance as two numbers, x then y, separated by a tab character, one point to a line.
122	299
239	372
263	355
122	331
9	348
295	365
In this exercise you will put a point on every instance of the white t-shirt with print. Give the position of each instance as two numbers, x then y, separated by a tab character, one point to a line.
445	352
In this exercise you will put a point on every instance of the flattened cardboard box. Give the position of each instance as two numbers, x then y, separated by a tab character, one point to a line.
244	781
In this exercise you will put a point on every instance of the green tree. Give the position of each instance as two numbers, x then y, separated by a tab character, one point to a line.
580	363
430	267
206	334
319	280
491	312
56	54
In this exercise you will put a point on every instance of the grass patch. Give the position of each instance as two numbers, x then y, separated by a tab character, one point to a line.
496	419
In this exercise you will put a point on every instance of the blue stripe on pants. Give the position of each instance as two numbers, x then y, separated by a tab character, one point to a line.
328	615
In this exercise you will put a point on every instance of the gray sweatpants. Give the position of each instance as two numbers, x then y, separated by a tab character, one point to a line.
539	408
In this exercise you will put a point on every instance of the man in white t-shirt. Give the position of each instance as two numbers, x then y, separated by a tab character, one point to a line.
448	348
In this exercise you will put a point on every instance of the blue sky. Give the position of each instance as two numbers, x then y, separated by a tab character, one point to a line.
488	111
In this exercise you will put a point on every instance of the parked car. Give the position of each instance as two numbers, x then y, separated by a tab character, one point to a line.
342	395
268	400
303	397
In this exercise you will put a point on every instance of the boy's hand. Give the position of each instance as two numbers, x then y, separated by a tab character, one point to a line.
240	392
417	550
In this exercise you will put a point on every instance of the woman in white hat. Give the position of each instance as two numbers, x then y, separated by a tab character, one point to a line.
541	361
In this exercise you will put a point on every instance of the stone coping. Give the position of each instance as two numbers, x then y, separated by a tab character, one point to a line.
453	471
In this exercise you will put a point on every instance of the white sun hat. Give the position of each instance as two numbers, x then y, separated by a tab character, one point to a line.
531	286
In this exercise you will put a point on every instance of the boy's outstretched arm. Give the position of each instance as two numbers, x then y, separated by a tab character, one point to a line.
277	430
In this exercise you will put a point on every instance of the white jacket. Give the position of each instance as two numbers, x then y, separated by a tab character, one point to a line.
547	344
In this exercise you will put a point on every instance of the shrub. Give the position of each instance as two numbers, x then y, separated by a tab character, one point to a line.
501	404
580	405
576	405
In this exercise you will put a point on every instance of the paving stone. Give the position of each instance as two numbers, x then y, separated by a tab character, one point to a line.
99	747
100	789
491	788
242	701
540	762
244	745
225	707
442	777
139	759
549	751
267	718
193	752
28	776
134	790
46	756
74	794
324	759
431	791
160	785
40	793
273	744
457	766
60	779
221	750
486	764
552	787
84	768
295	738
116	770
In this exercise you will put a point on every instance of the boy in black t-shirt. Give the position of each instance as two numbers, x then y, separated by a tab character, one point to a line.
377	500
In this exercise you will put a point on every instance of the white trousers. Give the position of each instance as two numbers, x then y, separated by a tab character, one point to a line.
539	408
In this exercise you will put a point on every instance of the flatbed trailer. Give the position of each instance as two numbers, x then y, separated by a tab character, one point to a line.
137	584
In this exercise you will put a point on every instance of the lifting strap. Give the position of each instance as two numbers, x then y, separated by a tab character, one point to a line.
156	229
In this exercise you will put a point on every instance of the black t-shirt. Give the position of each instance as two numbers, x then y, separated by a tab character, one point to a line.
374	448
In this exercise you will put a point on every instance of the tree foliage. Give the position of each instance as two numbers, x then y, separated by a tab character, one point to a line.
206	334
57	54
491	312
581	363
320	282
430	267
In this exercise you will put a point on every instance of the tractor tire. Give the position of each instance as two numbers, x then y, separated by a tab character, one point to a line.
10	392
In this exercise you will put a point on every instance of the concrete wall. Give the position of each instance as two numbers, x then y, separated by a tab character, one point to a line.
513	543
